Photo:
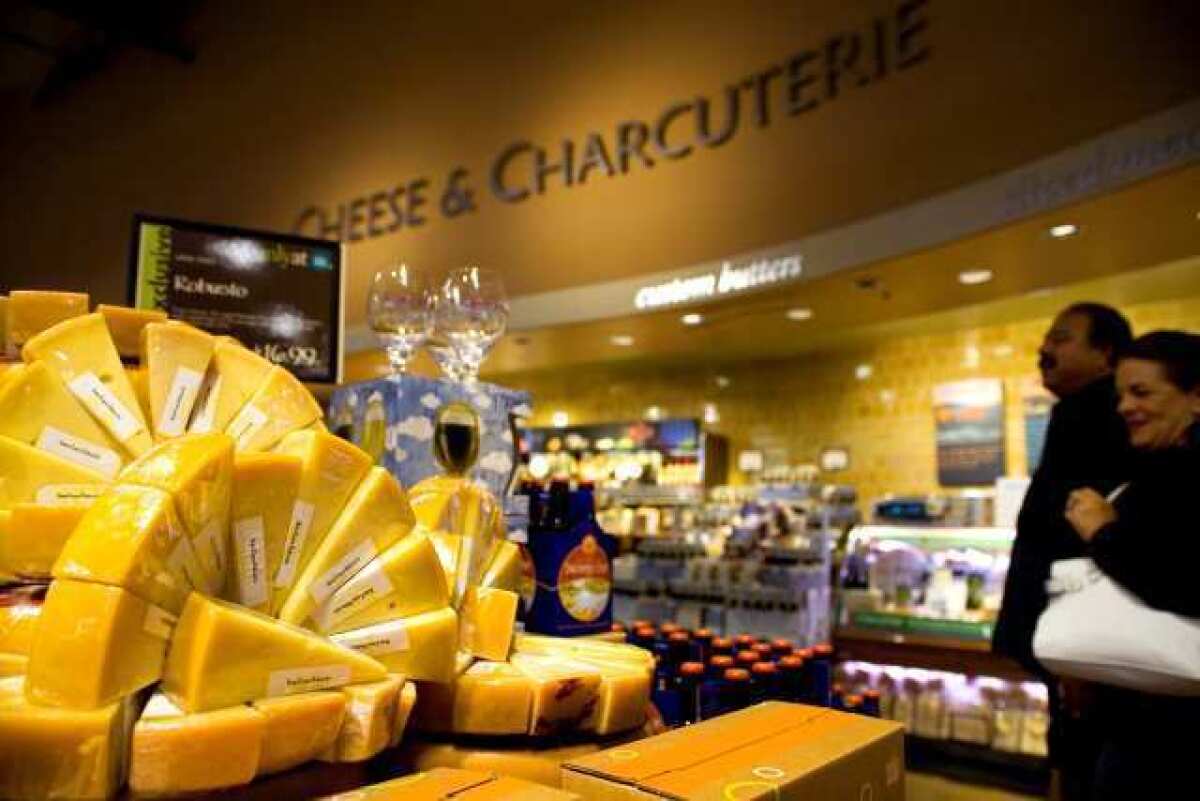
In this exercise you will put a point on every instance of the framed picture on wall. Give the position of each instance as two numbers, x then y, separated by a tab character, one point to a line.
969	419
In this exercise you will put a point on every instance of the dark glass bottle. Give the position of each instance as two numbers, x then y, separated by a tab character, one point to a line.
722	646
791	679
764	680
745	659
688	682
744	641
870	703
702	640
735	690
765	652
837	698
710	689
558	505
679	648
718	664
644	637
852	703
781	647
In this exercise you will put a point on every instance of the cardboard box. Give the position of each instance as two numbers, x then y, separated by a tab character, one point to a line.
771	751
445	784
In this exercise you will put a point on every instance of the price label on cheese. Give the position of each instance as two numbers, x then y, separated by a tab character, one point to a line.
68	494
104	461
249	554
342	570
306	679
105	406
368	586
181	397
293	543
248	422
381	638
206	405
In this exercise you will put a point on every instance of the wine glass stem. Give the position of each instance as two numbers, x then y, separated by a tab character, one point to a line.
398	357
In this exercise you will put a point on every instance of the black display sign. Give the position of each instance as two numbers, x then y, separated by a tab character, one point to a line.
279	294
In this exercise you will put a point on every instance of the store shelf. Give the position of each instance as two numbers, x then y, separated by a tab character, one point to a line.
935	537
978	764
931	652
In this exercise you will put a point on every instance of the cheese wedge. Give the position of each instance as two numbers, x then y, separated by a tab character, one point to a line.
490	698
125	326
376	516
623	697
94	645
264	492
223	655
542	645
32	311
565	692
405	705
173	752
175	356
422	647
466	509
18	622
404	580
29	475
532	763
505	570
81	351
332	470
197	470
13	665
299	728
489	619
32	536
369	721
278	407
131	538
4	349
234	375
61	753
140	383
37	409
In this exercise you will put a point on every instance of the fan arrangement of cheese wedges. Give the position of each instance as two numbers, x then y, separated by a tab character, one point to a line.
283	599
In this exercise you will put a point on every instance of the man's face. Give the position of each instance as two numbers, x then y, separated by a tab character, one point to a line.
1067	360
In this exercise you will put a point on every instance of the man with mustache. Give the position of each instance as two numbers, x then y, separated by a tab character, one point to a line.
1086	446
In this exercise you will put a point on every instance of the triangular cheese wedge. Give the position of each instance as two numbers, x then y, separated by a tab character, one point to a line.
404	580
462	508
131	537
197	470
332	470
423	647
32	311
565	692
376	516
223	655
506	569
125	326
264	491
299	728
234	374
175	357
490	698
369	720
622	698
32	536
36	409
81	351
279	406
489	617
34	476
405	705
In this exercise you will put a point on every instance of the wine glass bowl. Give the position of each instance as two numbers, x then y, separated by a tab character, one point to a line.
398	311
471	314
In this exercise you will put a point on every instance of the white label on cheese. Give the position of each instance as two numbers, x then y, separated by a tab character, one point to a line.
68	494
306	679
182	562
80	451
158	622
185	386
248	422
382	638
366	587
250	559
105	406
342	571
293	543
206	405
214	547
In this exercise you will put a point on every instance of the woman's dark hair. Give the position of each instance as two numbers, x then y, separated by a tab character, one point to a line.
1177	351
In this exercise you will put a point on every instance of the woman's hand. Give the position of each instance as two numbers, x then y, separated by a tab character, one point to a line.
1088	512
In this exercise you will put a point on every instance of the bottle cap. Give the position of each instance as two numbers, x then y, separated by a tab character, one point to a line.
871	694
722	643
804	653
639	623
791	663
763	668
668	627
691	669
763	649
822	650
721	662
678	636
852	701
617	626
781	646
737	675
744	641
703	634
746	657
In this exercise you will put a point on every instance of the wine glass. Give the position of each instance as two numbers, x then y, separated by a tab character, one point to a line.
471	314
398	309
443	352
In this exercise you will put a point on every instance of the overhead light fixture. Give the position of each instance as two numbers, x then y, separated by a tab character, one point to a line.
653	413
975	277
863	372
559	419
1064	230
722	382
692	318
711	415
800	313
621	340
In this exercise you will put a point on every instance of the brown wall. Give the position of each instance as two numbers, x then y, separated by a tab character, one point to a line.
291	104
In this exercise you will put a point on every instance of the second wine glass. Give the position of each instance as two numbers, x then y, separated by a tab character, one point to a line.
398	309
471	315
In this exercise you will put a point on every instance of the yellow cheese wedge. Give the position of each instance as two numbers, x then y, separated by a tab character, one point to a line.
405	705
532	763
504	572
622	699
173	752
332	470
376	516
369	721
18	622
542	645
94	645
61	753
197	470
223	655
299	728
125	326
565	693
465	508
131	538
32	536
422	647
37	409
13	665
279	406
404	580
140	383
233	376
175	357
32	311
489	618
29	475
490	698
264	493
81	351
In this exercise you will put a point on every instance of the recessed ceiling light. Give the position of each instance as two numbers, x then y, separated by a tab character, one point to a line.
653	413
722	382
692	318
863	372
559	419
711	415
975	277
799	314
621	340
1064	230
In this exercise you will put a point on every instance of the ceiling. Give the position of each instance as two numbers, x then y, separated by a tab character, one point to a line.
1121	234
